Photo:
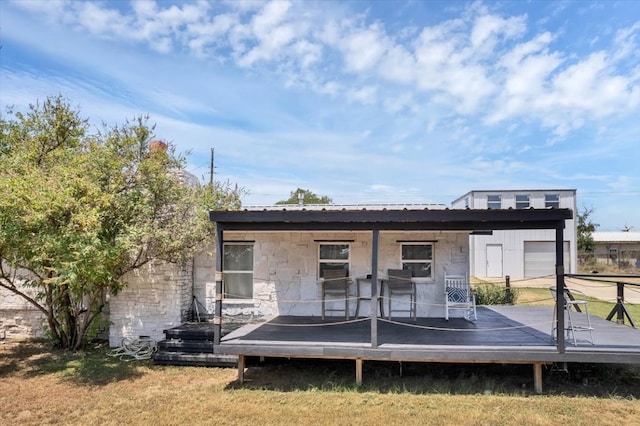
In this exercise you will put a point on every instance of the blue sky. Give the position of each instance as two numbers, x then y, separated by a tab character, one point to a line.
366	102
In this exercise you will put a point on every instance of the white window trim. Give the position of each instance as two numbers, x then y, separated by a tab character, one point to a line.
333	243
432	261
235	300
545	200
499	201
528	200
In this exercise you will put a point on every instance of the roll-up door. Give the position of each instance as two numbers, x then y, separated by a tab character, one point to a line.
540	258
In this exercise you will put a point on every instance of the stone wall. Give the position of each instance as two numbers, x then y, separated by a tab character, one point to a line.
160	295
157	297
19	318
285	270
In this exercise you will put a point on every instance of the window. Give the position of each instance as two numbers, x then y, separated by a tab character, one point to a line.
552	200
237	264
466	202
494	202
522	201
418	258
333	256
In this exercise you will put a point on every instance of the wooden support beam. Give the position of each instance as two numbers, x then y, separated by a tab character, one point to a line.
374	288
537	378
241	369
359	371
217	310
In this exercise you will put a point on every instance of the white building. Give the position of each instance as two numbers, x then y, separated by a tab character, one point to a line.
521	253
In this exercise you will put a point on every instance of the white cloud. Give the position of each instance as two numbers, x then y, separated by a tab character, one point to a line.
363	48
286	90
363	95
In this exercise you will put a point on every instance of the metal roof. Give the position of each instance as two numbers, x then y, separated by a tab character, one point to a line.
341	207
616	237
390	219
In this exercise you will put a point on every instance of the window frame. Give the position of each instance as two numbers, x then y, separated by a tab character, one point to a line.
321	261
499	201
431	261
518	203
552	204
237	271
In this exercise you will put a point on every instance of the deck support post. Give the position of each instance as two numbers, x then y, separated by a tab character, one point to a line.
374	288
359	371
537	378
560	344
241	369
217	310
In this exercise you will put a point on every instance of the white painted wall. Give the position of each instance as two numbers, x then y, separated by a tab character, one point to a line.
156	298
513	241
285	269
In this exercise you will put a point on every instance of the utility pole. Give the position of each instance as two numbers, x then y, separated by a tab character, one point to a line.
211	168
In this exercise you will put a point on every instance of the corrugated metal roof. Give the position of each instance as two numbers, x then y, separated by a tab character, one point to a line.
616	237
342	207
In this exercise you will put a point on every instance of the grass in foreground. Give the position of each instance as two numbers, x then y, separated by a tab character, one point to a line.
600	308
39	386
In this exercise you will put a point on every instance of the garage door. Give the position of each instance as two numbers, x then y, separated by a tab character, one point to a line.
540	258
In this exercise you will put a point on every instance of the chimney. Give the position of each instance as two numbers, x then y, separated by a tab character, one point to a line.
157	146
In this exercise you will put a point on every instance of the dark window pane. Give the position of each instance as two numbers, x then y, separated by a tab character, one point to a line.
238	285
334	251
238	257
417	252
422	270
333	265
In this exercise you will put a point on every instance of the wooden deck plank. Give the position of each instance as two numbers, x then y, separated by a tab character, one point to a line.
501	334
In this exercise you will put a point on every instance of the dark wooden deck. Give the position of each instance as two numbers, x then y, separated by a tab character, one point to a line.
501	334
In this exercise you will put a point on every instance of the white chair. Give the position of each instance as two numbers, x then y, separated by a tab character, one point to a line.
458	296
335	283
572	299
399	283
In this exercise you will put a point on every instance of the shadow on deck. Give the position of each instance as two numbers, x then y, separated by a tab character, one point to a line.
509	334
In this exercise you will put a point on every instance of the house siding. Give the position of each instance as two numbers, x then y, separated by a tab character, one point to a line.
513	242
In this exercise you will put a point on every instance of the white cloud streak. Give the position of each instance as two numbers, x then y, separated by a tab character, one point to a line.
477	62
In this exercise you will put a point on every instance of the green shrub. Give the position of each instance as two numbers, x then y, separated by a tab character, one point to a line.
493	294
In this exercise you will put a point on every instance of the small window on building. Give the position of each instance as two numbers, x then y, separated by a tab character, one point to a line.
237	263
466	202
494	202
613	254
333	256
522	202
552	200
418	258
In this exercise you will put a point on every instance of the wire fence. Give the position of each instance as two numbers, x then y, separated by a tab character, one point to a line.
279	297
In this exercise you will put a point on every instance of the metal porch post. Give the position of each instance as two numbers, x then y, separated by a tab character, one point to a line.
560	288
374	288
217	314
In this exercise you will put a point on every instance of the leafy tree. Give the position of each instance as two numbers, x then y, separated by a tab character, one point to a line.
585	229
79	210
308	198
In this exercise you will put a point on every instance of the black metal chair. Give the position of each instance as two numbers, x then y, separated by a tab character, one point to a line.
335	283
399	283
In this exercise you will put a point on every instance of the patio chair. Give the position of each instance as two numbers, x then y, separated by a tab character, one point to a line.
578	301
458	296
399	283
335	283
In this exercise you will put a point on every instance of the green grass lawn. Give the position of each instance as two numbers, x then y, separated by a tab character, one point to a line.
600	308
43	386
